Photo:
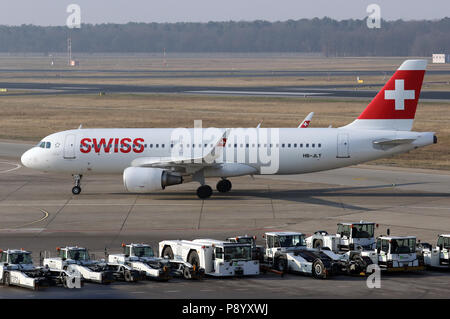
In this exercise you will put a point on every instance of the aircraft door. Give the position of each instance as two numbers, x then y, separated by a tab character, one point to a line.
343	150
69	147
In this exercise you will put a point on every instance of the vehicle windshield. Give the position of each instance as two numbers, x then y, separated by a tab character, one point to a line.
444	242
403	246
245	240
20	258
363	231
78	254
143	251
237	253
292	241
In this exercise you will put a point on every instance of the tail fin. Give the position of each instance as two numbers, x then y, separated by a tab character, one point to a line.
306	121
394	107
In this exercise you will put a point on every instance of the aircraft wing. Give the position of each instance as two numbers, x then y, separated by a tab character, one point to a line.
187	165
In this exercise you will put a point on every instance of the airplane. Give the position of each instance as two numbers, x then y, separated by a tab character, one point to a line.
151	159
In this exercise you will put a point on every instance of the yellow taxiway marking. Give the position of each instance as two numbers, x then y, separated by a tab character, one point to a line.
36	221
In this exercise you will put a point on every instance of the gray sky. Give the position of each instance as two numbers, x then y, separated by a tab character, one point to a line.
53	12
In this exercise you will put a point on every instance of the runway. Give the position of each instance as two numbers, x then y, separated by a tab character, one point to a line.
39	212
328	91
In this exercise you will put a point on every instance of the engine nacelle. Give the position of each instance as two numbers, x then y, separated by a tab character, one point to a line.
147	179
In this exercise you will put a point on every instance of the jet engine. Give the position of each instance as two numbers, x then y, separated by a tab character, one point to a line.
148	179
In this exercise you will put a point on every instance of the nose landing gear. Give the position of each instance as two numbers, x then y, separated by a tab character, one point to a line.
77	189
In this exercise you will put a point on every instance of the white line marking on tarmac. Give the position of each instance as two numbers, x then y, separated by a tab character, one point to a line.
17	166
258	93
171	291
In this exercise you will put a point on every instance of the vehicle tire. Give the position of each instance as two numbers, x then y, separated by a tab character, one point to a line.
281	264
318	269
194	260
127	276
76	190
167	252
6	279
204	191
318	244
223	186
64	279
186	273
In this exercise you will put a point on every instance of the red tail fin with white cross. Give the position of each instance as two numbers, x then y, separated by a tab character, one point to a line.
394	107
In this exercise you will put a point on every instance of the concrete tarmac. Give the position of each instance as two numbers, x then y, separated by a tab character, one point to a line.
38	212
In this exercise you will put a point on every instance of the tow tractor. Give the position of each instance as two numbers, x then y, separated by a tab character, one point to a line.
398	253
287	252
354	241
349	236
213	257
141	257
77	259
17	268
257	250
436	257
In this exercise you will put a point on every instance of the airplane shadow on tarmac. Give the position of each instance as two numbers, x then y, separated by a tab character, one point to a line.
308	196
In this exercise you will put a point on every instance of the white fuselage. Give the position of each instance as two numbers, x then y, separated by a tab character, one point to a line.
294	151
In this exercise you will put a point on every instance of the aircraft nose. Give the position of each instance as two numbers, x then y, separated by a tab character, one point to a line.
26	159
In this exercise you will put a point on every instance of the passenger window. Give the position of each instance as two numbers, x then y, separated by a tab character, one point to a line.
307	145
319	145
282	145
162	145
301	144
289	145
156	145
295	144
313	145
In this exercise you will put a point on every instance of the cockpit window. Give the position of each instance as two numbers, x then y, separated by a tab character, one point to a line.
44	144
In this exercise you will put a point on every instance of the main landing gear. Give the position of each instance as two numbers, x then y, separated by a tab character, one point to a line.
223	185
77	189
206	191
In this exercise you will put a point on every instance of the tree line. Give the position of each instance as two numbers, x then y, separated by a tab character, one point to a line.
324	36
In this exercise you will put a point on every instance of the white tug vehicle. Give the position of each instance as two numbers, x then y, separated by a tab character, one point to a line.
349	236
213	257
354	241
77	259
398	253
17	268
287	252
438	257
142	258
257	250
